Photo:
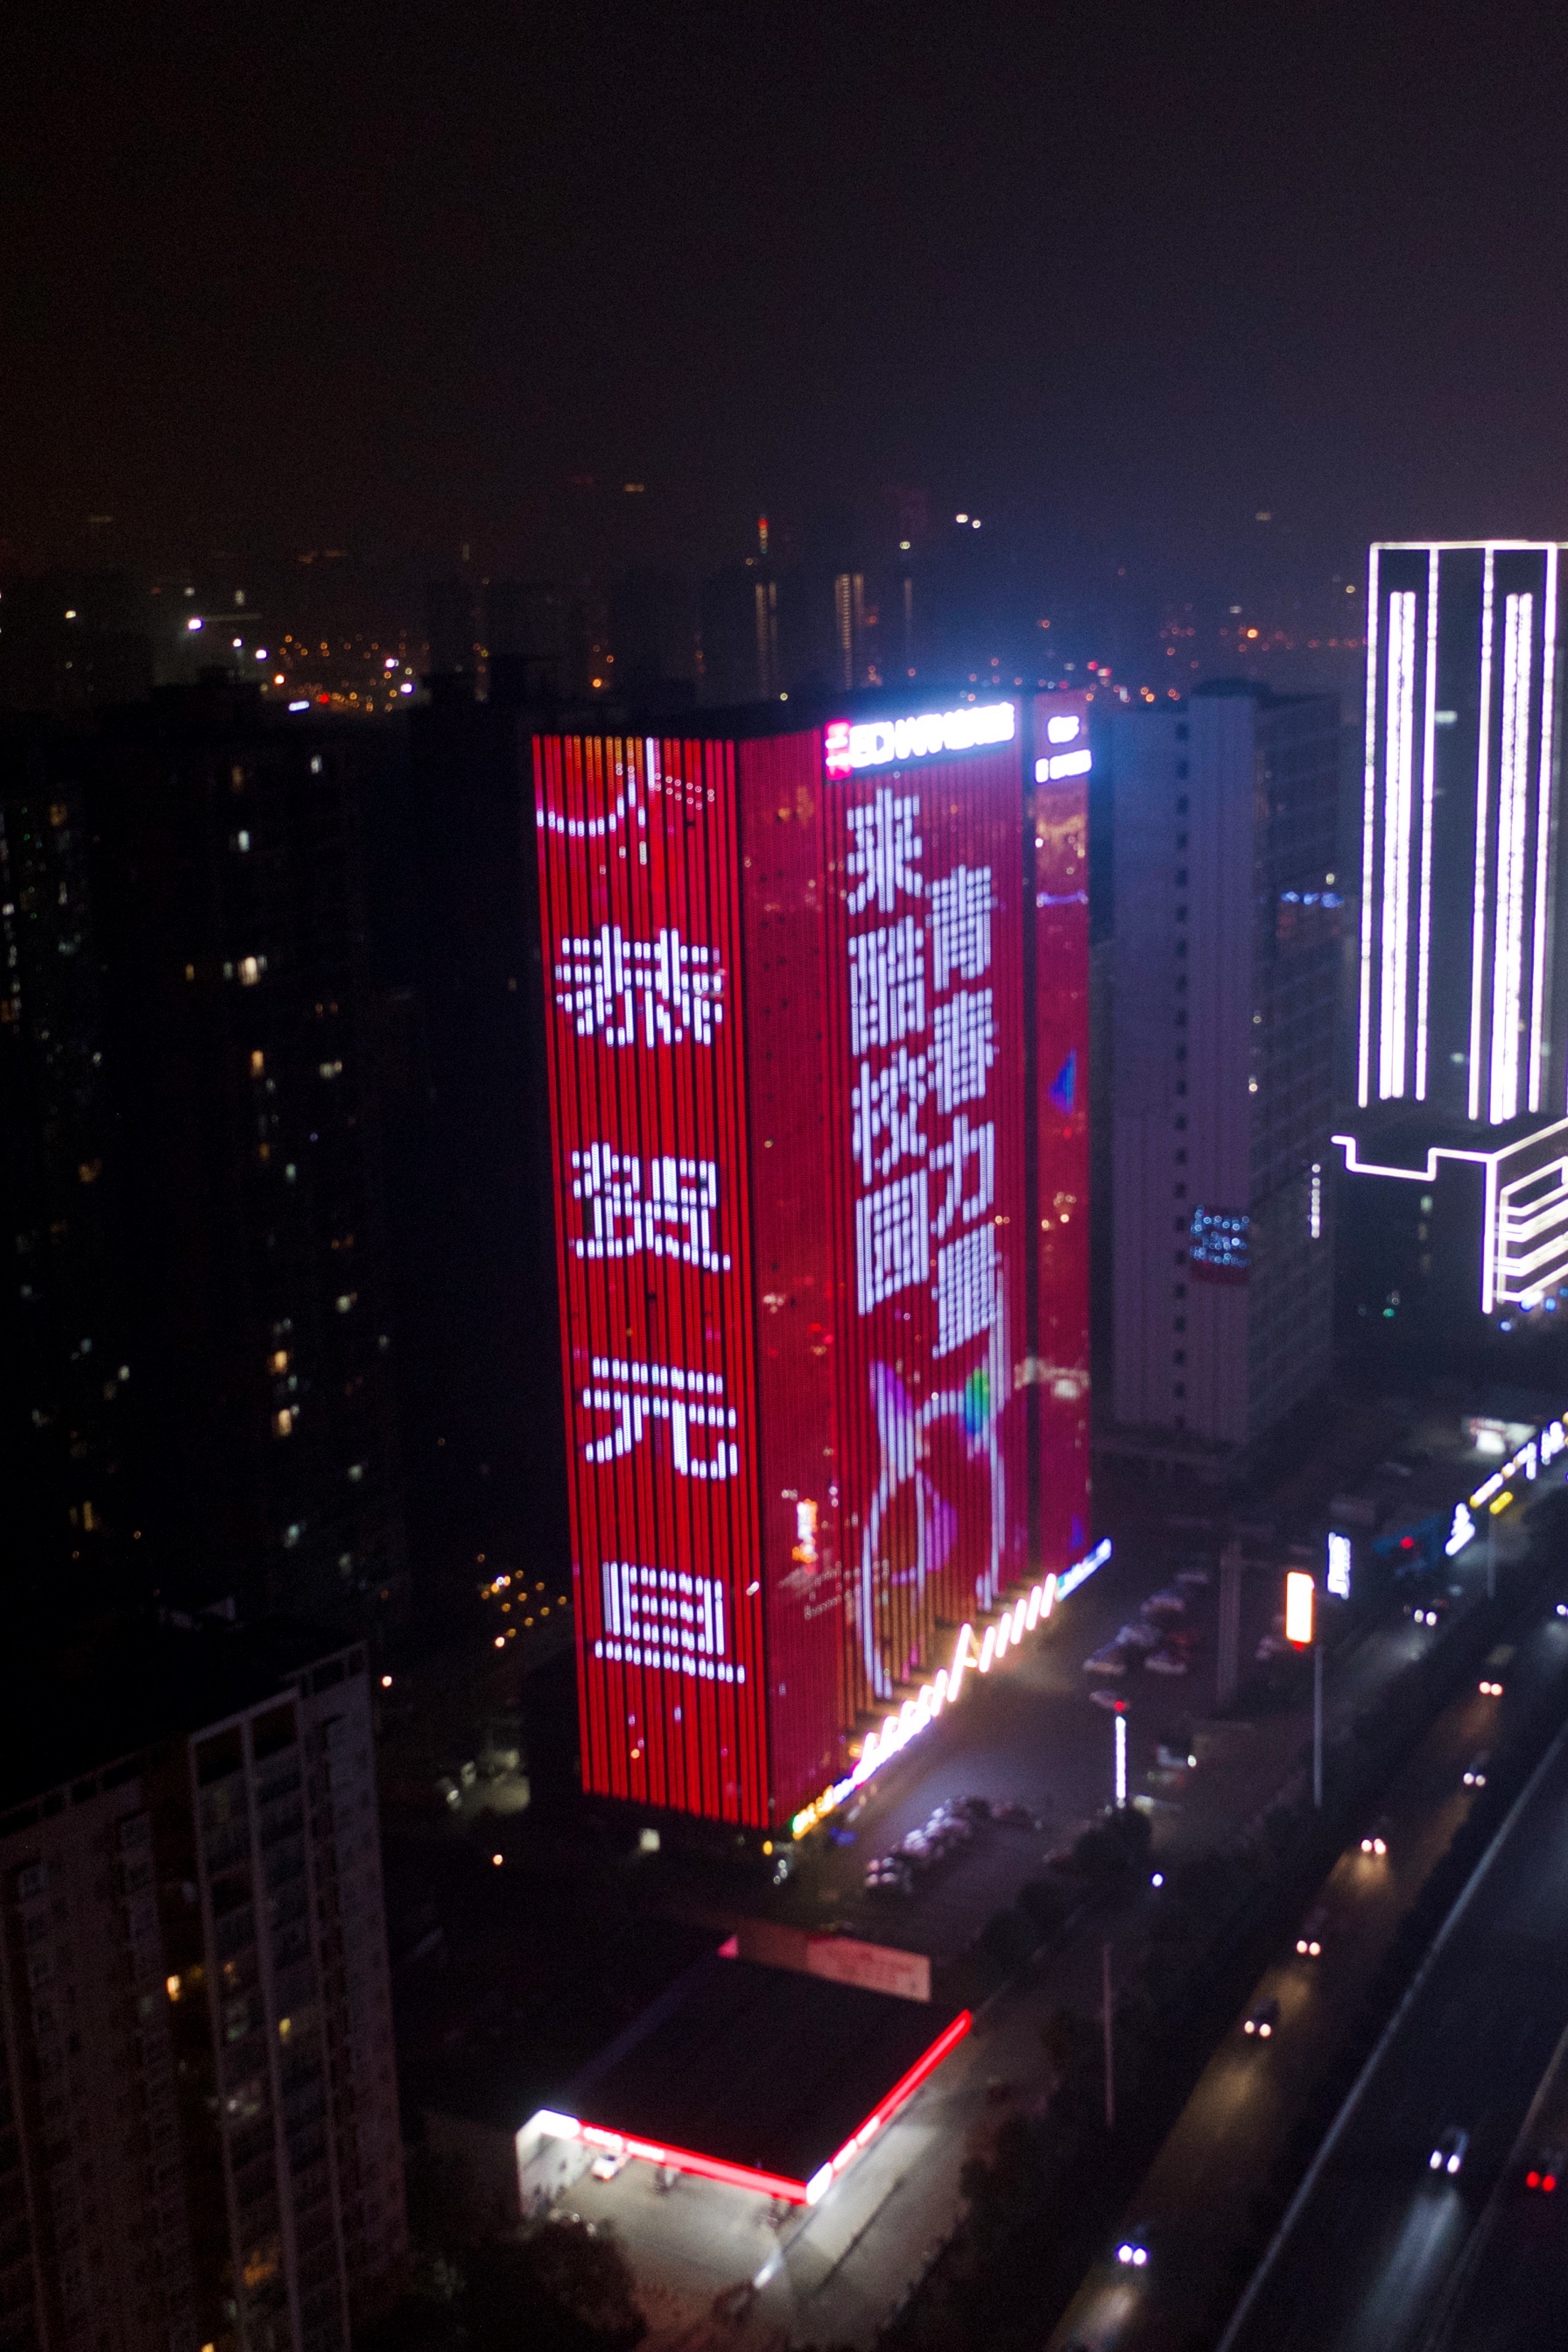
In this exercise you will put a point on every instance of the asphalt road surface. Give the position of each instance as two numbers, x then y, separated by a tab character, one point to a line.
1371	2249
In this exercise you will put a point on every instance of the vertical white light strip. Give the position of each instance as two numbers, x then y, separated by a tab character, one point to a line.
1398	777
1544	829
1428	787
1513	827
1368	835
1483	754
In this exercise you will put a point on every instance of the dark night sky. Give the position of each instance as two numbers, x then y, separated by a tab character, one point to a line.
282	277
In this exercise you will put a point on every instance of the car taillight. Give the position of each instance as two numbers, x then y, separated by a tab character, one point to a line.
1533	2179
1549	2182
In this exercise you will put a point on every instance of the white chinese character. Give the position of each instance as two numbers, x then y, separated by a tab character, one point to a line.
893	1241
961	924
662	989
611	1187
684	1197
966	1289
887	985
886	1111
965	1048
673	1219
969	1156
635	1395
886	846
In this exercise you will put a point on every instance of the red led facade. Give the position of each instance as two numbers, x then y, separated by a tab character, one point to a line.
795	1106
1059	807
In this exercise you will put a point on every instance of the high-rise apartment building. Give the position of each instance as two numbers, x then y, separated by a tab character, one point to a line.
816	994
1462	966
239	1051
201	2142
1225	972
64	1371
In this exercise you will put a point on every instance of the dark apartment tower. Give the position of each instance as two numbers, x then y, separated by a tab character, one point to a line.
739	622
200	2143
652	637
537	642
63	1346
240	1044
470	1186
1225	967
452	629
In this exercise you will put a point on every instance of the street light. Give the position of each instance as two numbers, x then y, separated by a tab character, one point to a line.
1300	1598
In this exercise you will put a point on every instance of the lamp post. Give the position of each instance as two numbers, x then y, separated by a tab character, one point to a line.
1300	1612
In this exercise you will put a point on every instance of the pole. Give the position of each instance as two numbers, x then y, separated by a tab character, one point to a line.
1229	1660
1318	1724
1110	2046
1492	1558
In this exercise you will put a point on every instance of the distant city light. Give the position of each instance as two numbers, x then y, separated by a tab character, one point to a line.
195	621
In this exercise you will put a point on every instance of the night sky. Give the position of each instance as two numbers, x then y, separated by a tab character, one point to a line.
1115	279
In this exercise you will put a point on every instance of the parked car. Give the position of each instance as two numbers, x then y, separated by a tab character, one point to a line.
1193	1580
1167	1602
1139	1637
1165	1662
1109	1659
1014	1816
1171	1754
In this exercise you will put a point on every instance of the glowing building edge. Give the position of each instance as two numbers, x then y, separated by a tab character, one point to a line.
970	1654
548	2124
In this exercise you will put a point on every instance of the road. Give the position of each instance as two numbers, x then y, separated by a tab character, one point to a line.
1510	2288
1371	2245
1196	2202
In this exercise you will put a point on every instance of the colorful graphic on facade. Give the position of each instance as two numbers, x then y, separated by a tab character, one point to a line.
791	1081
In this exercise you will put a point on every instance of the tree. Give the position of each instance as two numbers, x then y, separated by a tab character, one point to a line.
559	2283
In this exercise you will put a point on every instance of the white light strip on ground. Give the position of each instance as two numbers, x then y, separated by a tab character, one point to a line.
896	1731
1368	835
1544	829
1479	916
1429	788
1398	754
1512	825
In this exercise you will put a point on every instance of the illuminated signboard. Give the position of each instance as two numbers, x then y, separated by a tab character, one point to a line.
793	1082
1337	1578
849	745
1300	1594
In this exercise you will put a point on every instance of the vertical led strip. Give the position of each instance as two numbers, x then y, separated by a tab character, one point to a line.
1543	827
1428	787
1483	754
1368	834
1513	830
1398	809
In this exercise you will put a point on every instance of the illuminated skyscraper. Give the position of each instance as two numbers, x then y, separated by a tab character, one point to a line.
821	1194
1462	973
1224	967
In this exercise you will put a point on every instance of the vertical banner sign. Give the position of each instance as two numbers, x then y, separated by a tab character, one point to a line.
1060	809
924	947
639	867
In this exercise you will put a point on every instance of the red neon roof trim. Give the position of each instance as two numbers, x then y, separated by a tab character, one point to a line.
773	2184
710	2168
906	2086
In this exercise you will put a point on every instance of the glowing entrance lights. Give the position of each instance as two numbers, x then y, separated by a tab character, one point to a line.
849	745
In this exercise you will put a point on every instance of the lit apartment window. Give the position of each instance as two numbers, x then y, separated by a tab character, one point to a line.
278	1360
250	969
346	1300
331	1069
356	1472
283	1421
257	1061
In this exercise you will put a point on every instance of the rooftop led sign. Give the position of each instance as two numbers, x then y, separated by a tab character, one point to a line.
850	745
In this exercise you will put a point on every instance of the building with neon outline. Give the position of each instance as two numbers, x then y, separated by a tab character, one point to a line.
1461	1001
816	1002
